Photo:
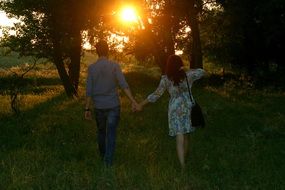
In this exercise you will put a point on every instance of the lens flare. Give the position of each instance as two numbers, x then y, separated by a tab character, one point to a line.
128	14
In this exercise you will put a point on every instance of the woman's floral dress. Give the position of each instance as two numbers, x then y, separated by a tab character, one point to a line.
179	107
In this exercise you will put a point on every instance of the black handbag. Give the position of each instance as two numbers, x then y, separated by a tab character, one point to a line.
197	118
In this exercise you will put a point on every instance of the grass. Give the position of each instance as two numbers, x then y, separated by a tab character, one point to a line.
51	146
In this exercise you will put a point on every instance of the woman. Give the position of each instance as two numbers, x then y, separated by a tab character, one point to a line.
179	104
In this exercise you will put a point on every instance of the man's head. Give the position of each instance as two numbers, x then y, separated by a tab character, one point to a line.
102	48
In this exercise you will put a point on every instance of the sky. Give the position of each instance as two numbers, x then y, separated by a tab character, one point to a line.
5	21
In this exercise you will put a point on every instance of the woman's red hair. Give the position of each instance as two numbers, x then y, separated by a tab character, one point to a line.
174	69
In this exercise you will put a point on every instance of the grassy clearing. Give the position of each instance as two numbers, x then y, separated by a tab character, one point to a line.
51	146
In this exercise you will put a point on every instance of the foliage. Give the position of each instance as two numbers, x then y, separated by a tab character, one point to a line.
18	68
160	30
248	35
52	29
232	33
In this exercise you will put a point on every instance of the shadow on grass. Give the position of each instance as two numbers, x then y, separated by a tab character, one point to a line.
52	138
13	128
28	85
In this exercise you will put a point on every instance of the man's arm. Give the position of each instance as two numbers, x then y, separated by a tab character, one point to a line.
135	105
124	85
87	111
88	103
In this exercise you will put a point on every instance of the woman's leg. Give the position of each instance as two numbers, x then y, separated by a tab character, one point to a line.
186	145
180	149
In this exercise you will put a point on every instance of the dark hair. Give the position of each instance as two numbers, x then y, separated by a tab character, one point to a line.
102	48
174	69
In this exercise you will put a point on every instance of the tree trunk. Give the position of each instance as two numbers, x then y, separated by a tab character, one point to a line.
160	56
75	55
58	55
169	42
192	19
58	61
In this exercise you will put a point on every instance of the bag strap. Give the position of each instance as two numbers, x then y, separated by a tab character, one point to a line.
191	98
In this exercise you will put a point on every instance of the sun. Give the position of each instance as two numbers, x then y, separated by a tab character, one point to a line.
5	21
128	14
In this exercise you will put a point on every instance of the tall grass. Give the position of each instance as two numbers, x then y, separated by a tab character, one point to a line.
51	146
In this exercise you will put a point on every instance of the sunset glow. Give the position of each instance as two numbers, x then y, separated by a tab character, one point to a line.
128	14
5	21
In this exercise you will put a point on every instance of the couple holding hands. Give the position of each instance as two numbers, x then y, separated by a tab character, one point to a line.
101	93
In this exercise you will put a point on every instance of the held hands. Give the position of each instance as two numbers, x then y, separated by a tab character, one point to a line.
88	115
136	107
139	107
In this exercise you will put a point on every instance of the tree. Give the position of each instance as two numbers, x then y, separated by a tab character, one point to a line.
160	24
52	29
191	10
247	34
163	20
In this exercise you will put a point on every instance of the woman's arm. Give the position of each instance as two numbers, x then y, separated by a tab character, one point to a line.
153	97
143	103
87	111
195	74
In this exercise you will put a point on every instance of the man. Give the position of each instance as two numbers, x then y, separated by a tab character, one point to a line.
101	90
